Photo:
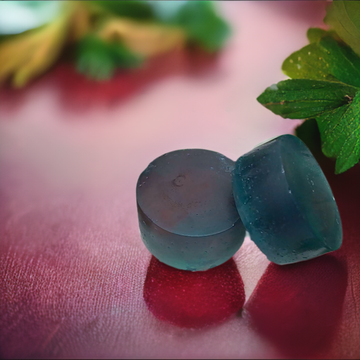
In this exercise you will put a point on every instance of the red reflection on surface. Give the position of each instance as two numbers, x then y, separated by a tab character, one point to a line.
77	92
298	307
80	92
193	299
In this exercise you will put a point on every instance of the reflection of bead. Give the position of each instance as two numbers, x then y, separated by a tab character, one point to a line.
193	299
285	201
292	306
186	209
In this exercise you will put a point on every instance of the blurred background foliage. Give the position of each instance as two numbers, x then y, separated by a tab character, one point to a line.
101	36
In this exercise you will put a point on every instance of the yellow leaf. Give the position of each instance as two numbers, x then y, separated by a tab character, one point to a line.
81	23
25	56
145	39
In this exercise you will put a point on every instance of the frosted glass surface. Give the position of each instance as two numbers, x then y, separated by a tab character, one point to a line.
187	214
285	201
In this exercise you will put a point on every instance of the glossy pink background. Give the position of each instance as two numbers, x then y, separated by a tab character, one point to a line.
72	264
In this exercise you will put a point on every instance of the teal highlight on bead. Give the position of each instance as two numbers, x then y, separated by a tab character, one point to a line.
186	209
285	201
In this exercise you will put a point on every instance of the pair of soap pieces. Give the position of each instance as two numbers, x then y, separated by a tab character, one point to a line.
195	205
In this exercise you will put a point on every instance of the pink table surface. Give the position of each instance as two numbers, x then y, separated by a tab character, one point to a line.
72	264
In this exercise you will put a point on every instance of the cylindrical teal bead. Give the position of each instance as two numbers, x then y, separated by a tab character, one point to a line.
187	214
285	201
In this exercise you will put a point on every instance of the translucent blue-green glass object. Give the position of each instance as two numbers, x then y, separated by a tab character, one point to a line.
187	214
285	201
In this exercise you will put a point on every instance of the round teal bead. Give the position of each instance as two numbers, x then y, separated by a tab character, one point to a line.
285	201
187	214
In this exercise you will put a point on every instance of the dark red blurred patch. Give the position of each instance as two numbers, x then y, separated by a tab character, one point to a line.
298	307
346	190
310	12
193	299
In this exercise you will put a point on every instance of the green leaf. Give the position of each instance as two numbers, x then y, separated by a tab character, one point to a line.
199	19
141	10
303	99
324	59
308	132
325	85
344	18
315	34
334	105
202	24
340	134
98	60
